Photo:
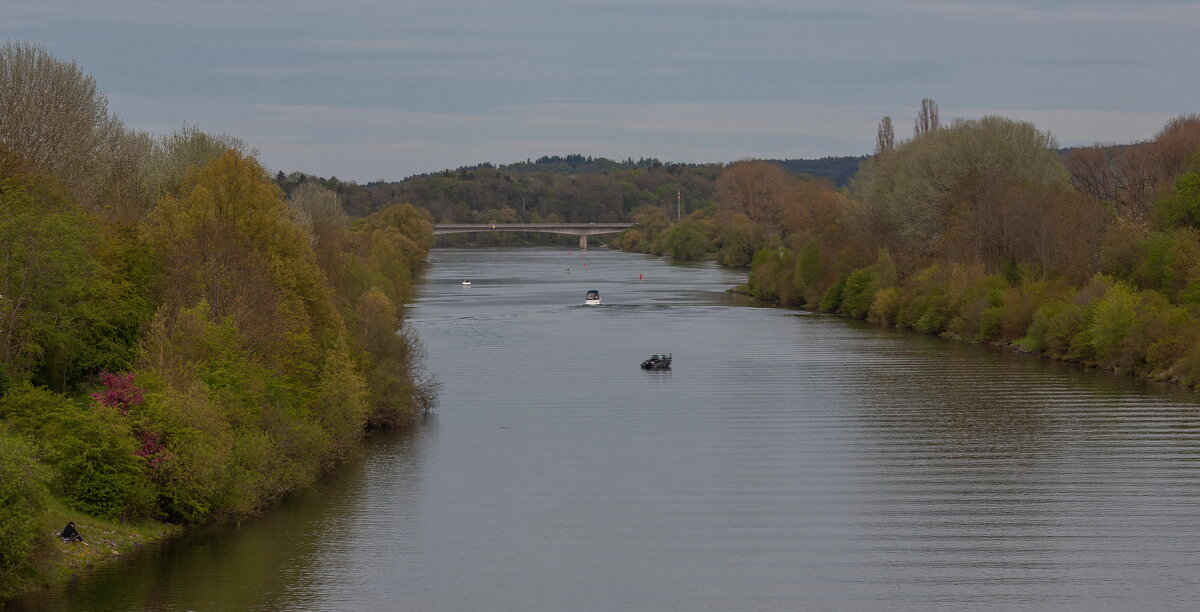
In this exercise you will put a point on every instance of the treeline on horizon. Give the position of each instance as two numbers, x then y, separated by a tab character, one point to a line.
178	340
554	189
982	230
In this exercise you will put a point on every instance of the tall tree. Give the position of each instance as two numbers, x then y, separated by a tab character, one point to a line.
912	193
927	120
52	114
885	138
60	305
755	188
186	149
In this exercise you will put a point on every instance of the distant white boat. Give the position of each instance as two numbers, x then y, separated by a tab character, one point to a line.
592	299
466	283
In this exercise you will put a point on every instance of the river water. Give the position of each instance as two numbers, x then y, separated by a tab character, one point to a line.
787	461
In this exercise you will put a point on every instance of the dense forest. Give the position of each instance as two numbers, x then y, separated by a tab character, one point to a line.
983	230
179	341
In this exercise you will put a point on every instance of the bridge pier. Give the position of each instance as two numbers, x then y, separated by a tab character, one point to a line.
583	242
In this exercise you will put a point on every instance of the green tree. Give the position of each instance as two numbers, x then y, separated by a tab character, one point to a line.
687	241
1181	206
186	150
91	451
739	239
64	313
23	496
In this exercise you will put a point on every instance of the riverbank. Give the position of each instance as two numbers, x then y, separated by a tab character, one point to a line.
104	541
1104	323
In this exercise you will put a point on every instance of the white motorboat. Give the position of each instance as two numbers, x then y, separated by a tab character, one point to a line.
592	299
466	283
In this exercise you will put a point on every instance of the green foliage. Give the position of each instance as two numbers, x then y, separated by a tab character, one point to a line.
885	306
273	366
90	451
808	270
862	285
185	151
739	240
976	305
573	189
859	292
832	300
1111	320
1167	262
342	401
925	304
650	225
23	496
1181	206
687	240
839	170
190	483
264	336
1011	270
65	314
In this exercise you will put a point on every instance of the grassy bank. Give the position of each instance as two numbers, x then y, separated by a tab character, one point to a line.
105	541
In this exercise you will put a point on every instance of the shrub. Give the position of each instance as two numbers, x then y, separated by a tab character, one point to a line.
935	316
190	477
23	496
990	324
832	300
858	292
1065	328
1020	304
1112	317
90	450
763	269
884	307
687	240
1181	206
808	268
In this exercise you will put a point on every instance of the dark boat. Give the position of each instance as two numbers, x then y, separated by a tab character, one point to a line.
657	362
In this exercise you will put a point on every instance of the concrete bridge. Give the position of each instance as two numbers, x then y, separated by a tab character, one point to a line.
583	230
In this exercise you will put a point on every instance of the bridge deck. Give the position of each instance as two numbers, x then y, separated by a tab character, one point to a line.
574	229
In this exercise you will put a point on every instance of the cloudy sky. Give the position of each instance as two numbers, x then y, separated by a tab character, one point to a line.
368	90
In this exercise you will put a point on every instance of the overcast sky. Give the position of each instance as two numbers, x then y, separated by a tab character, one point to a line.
368	90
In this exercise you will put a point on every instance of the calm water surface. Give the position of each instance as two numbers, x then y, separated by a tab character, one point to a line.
788	461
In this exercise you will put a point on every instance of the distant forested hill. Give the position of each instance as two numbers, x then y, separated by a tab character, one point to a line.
573	188
837	169
486	194
578	164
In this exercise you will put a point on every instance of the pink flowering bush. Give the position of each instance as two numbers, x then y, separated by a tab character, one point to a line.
119	392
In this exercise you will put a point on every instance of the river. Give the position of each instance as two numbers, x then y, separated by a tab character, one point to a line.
787	461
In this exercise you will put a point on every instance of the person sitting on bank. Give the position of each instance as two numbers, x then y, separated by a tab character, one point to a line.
70	534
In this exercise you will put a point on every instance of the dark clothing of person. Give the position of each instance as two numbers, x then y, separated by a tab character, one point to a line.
70	534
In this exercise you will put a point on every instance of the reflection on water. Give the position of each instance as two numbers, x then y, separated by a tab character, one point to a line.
786	461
